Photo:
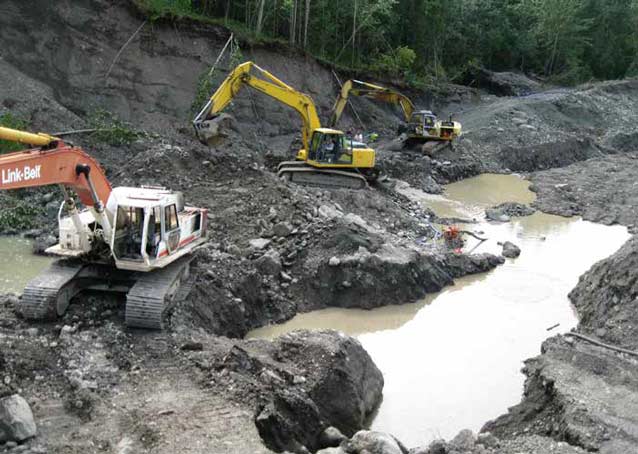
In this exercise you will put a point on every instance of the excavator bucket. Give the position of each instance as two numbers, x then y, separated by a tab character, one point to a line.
211	131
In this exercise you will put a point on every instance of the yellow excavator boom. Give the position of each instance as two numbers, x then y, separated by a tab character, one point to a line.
371	91
27	138
268	84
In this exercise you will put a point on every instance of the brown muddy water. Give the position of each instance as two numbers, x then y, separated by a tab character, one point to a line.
452	361
18	264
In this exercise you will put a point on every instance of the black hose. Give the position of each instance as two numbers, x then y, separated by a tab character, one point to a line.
601	344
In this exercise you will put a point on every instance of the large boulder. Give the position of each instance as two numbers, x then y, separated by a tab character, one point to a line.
269	263
327	379
342	378
16	419
370	442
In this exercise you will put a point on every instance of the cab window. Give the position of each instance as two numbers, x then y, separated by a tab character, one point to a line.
345	153
170	218
314	145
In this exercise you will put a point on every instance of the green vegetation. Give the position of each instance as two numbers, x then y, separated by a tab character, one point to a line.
18	214
565	41
11	121
111	130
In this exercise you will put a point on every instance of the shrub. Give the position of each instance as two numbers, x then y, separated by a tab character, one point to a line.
9	120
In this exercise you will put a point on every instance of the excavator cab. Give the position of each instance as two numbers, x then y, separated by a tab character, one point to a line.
152	226
423	123
330	148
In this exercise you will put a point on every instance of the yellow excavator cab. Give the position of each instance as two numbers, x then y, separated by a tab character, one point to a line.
331	148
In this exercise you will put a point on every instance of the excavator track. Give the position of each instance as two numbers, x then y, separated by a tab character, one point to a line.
48	295
326	178
153	294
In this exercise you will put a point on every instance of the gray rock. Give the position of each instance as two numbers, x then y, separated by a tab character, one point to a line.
52	209
269	263
282	229
331	451
510	250
496	215
331	437
488	440
437	447
431	186
373	442
329	212
464	441
259	243
513	209
43	242
16	418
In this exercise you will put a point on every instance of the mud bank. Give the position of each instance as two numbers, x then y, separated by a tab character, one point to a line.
94	387
601	190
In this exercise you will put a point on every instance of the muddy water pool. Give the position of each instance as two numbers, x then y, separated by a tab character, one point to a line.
452	361
18	264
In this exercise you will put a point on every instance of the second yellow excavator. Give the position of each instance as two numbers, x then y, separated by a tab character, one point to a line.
420	125
328	158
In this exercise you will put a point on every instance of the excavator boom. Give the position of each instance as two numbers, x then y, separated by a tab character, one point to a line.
56	163
267	84
371	91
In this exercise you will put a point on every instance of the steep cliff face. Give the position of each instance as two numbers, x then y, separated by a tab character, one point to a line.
78	50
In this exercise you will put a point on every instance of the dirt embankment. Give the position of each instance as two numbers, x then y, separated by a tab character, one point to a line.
95	387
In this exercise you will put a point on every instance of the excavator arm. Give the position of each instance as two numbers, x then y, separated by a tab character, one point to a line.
54	163
267	84
371	91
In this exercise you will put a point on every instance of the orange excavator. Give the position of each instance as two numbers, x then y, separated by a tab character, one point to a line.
138	241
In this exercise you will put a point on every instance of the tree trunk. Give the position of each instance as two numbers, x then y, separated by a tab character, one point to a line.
354	30
305	27
260	16
293	22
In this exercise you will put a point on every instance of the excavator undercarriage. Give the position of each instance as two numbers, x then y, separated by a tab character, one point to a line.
149	296
301	173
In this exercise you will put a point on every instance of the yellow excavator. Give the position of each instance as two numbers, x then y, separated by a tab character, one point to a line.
328	158
420	125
